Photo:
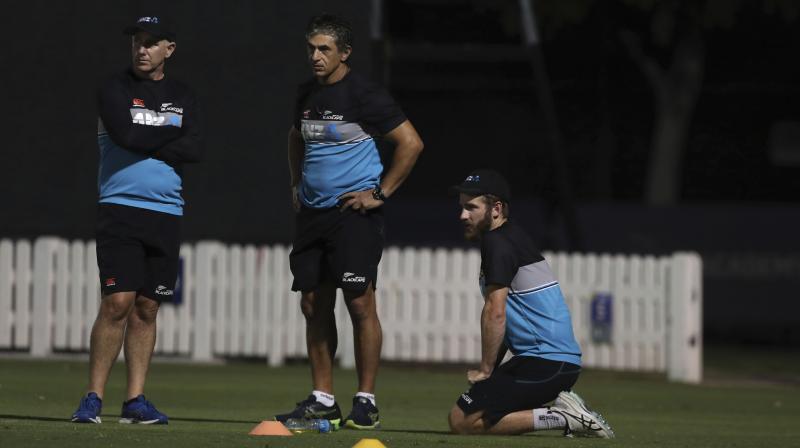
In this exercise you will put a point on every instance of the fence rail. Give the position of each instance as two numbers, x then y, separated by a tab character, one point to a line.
236	302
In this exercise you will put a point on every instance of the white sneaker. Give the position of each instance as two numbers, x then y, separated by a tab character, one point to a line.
581	421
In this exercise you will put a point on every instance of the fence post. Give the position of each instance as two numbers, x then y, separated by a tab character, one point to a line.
43	278
203	277
6	288
685	319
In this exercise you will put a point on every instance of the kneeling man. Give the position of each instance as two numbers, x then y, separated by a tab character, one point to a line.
524	311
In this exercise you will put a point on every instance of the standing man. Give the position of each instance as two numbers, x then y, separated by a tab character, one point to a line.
338	193
524	311
148	128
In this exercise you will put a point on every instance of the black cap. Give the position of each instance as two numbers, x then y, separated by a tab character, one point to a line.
480	182
155	25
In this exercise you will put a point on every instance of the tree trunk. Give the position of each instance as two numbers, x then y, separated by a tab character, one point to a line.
663	181
676	91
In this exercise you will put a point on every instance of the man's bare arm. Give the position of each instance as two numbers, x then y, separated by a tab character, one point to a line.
493	330
408	146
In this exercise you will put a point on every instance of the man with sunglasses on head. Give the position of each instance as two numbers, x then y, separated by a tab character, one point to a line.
148	128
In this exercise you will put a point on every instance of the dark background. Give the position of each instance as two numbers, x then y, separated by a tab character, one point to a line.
462	75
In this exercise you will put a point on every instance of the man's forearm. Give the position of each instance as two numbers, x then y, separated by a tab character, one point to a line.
493	329
187	149
114	109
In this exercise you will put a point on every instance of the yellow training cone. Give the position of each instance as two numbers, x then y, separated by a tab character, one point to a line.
369	443
270	428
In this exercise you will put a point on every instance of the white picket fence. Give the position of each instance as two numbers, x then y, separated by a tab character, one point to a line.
237	302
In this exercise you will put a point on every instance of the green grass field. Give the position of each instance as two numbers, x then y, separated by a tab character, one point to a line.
749	400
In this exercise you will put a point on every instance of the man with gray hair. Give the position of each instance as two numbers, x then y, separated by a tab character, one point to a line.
338	190
148	128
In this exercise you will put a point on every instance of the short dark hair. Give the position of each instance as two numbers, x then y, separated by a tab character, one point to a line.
330	25
490	199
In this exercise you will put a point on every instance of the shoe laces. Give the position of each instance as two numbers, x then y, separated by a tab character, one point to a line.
364	402
91	403
149	406
600	417
307	402
142	403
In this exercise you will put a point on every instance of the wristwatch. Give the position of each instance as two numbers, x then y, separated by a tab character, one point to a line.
377	194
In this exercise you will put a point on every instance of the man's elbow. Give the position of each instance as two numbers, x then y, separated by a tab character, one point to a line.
195	158
417	145
494	314
191	157
499	319
197	153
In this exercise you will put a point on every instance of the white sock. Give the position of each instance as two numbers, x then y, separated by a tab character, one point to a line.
324	397
368	396
544	418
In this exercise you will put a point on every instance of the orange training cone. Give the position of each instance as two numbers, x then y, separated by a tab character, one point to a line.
369	443
270	428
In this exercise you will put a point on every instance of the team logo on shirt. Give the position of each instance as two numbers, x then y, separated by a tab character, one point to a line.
168	107
320	131
111	281
137	102
306	113
169	116
328	115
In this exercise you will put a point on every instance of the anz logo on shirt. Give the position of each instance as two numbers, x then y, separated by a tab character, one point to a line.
318	131
169	115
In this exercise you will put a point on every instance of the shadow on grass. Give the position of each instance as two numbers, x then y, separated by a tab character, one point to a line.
414	431
113	418
212	420
34	418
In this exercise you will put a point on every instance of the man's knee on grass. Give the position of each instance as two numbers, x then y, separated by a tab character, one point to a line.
466	424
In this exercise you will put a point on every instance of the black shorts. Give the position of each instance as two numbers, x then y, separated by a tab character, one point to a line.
339	247
522	383
137	250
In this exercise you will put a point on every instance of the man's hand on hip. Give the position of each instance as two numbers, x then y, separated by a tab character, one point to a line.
359	200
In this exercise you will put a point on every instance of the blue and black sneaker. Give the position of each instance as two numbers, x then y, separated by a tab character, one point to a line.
364	415
139	410
310	408
89	409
